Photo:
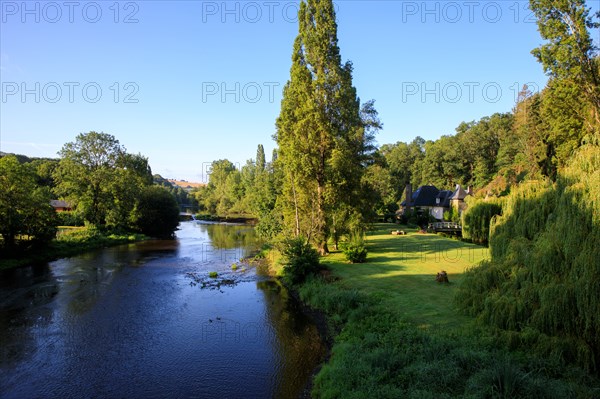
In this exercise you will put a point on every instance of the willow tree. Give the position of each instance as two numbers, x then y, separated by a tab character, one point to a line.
540	287
321	136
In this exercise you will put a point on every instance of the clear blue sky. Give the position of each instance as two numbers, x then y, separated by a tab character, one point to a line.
188	82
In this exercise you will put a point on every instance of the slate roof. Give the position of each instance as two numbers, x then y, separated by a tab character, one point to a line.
459	193
424	196
444	198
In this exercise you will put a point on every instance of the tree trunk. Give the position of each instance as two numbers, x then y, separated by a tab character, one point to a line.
296	208
321	222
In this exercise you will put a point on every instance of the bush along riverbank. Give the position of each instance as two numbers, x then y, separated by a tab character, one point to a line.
70	241
398	334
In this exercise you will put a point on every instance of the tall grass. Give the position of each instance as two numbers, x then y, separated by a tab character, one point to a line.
378	355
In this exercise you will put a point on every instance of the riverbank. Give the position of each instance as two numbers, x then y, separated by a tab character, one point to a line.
398	333
70	241
239	219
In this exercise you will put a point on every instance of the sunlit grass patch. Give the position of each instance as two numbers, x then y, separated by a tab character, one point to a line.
403	269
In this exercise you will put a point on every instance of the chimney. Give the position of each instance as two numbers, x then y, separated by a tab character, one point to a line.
408	200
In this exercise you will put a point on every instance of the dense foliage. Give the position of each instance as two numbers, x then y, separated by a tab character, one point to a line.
540	288
26	217
158	210
541	285
476	220
249	191
101	180
112	189
108	189
323	133
70	218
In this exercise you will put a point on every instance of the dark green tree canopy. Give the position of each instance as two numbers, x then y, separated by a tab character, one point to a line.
159	212
324	139
24	206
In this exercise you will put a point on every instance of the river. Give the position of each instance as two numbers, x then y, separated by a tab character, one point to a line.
145	320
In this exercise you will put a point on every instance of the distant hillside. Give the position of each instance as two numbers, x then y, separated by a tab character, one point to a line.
26	159
185	184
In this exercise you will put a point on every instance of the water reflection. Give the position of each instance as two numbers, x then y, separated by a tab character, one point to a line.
297	337
227	236
22	289
125	322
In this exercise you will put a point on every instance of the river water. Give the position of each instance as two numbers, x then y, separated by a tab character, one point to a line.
145	320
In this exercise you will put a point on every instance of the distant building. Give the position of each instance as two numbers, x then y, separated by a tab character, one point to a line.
421	200
60	205
430	199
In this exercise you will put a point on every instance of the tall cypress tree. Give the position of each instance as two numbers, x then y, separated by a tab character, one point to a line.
321	136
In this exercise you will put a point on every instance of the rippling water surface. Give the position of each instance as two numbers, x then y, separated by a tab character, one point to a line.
135	321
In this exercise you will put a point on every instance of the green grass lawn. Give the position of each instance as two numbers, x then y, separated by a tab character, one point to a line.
398	333
401	270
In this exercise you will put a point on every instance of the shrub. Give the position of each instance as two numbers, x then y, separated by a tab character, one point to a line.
355	250
300	259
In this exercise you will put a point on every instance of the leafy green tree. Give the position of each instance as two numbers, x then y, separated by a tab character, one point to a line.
404	163
97	175
569	53
44	169
442	165
564	117
84	174
383	187
124	189
224	189
139	165
524	153
257	180
476	220
24	206
480	147
322	134
158	212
